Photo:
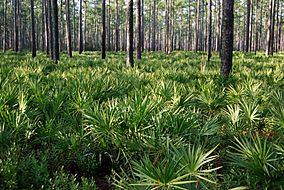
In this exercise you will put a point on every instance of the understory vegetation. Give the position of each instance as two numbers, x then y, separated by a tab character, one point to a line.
172	122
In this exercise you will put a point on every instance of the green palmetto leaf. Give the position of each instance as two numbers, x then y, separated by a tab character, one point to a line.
255	155
194	160
164	174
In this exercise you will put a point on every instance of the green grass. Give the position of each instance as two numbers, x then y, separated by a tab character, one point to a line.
168	123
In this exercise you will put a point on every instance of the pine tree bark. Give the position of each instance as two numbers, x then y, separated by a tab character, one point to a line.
142	26
256	27
50	26
167	27
16	38
209	29
46	27
248	25
138	29
43	25
55	31
218	18
117	27
104	29
108	28
197	25
68	29
19	23
33	29
80	35
130	60
153	46
227	37
4	26
270	30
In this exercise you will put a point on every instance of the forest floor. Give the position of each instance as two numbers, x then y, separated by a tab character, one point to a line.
171	122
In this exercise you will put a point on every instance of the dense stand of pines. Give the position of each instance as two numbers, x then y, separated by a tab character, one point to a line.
160	25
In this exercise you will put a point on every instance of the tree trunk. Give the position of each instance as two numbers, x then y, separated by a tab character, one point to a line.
16	42
130	60
19	23
68	29
80	35
117	27
104	29
154	27
55	31
197	25
85	25
167	27
227	37
142	26
247	25
43	26
74	25
4	27
256	28
138	29
209	28
46	27
50	22
218	23
108	28
270	30
33	30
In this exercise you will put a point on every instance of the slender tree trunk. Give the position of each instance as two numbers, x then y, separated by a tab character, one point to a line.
227	37
154	27
197	25
46	27
104	29
43	25
209	28
142	26
19	23
33	30
270	25
218	15
277	26
117	27
167	27
85	25
68	29
256	28
50	31
130	60
16	42
55	31
5	25
138	29
248	25
280	27
74	25
80	35
189	27
108	28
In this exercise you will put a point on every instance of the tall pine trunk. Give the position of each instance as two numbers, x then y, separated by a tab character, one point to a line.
248	26
50	22
16	38
104	29
209	29
68	29
55	31
117	27
4	26
80	35
33	30
227	37
130	60
138	29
